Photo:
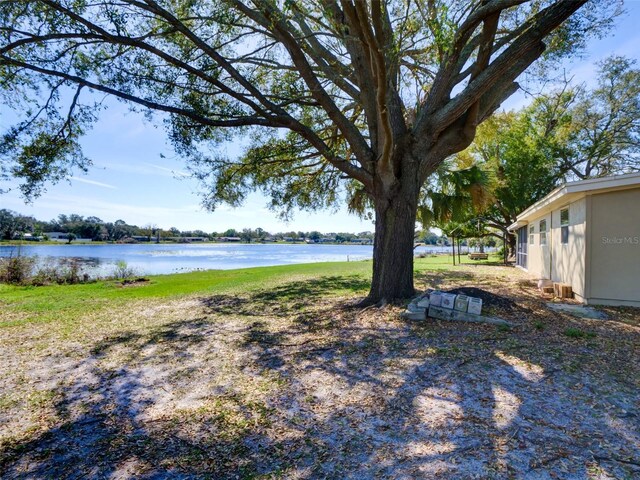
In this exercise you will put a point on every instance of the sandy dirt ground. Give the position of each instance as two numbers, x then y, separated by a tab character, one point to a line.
289	383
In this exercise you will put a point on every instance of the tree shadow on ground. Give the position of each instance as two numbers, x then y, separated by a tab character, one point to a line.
102	430
436	279
285	381
290	294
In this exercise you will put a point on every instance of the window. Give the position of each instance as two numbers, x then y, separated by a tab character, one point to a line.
543	232
564	226
532	230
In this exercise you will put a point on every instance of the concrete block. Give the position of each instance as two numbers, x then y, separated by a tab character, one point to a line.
414	307
462	302
435	298
475	305
448	300
544	283
408	315
441	313
447	314
562	290
424	302
566	291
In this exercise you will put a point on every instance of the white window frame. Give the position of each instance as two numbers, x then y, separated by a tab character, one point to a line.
532	231
543	232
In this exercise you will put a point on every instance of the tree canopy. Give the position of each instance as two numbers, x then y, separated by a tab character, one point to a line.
602	124
571	133
338	97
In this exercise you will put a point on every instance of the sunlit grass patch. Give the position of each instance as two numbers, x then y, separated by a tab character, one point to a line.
577	333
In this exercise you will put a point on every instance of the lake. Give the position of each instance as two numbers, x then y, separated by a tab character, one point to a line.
152	259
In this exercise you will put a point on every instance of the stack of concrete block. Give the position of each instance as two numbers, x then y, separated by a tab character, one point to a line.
448	306
417	309
462	308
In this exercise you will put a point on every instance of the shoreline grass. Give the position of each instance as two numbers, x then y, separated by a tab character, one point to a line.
46	303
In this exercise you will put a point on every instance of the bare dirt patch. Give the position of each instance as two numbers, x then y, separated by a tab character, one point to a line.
289	382
133	282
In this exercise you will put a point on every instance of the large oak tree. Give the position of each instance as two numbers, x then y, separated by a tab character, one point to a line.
340	97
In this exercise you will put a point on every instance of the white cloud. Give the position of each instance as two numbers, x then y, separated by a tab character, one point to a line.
177	173
88	205
93	182
142	168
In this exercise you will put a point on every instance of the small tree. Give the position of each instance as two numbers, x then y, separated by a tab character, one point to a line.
604	128
573	132
246	235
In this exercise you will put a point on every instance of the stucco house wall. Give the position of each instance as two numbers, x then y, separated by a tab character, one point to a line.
601	256
614	248
569	259
564	263
538	256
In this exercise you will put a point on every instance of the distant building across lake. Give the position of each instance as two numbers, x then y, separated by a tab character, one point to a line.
64	237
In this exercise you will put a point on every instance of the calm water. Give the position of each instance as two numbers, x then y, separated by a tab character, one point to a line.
150	259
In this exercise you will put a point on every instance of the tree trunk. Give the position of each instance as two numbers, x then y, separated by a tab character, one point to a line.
393	249
511	244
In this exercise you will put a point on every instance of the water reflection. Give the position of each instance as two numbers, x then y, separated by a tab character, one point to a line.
84	262
150	259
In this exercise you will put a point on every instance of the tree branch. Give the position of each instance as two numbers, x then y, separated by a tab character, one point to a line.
508	64
245	121
361	150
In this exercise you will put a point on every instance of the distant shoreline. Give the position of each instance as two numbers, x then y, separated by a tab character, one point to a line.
24	243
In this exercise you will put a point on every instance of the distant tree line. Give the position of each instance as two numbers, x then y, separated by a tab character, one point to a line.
14	225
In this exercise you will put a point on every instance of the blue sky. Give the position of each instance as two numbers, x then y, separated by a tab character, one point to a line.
137	178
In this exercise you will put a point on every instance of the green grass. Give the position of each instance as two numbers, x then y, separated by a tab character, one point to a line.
55	302
577	333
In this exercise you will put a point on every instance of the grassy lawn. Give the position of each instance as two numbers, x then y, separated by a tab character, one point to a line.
70	303
45	304
274	373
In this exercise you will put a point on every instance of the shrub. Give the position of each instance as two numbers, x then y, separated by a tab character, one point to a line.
122	271
45	273
16	269
72	273
21	270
